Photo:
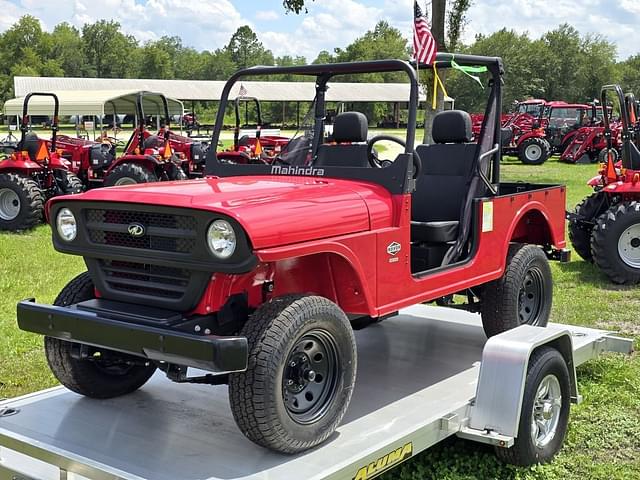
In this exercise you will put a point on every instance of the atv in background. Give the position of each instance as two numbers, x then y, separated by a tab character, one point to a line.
605	227
34	172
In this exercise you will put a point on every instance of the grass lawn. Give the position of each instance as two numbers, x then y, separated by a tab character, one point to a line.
604	436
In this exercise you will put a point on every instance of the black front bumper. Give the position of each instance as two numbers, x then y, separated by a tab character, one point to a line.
218	354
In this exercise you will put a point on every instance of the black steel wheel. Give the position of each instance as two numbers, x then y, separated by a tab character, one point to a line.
300	373
545	410
587	211
96	373
21	202
615	243
523	295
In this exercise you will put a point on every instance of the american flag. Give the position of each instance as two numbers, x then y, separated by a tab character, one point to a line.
424	45
243	91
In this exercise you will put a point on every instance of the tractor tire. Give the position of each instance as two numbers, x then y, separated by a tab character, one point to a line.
545	410
523	295
602	156
534	151
615	243
300	375
129	174
69	182
177	173
21	202
588	210
111	374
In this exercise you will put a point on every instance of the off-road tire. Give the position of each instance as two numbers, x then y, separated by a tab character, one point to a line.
31	200
257	394
133	171
604	242
544	146
543	362
69	182
177	173
502	298
84	376
589	209
602	156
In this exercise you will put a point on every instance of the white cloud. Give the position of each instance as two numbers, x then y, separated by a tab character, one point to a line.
267	15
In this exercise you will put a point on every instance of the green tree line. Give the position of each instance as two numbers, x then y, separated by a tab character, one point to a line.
562	64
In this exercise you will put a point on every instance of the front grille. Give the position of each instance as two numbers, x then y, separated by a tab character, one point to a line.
145	279
164	232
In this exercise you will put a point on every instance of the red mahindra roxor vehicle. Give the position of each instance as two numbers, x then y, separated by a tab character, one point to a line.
259	273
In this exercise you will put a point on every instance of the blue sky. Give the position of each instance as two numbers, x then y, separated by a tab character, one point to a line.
208	24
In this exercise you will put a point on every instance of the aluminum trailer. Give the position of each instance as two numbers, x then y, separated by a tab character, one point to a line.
423	376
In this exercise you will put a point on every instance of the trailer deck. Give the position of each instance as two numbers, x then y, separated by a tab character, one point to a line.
417	377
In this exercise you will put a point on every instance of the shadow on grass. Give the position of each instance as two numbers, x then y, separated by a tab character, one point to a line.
589	273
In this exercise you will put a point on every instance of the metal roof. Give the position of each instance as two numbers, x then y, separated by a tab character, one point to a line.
91	102
210	90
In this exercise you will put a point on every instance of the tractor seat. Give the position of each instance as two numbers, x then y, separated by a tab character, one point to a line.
350	130
442	187
152	142
30	144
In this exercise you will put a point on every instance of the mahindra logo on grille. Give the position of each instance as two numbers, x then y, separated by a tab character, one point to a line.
136	230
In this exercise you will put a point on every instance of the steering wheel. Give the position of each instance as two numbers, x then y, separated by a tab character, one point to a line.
373	159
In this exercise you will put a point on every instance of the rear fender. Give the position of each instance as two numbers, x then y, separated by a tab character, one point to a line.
534	226
147	161
19	163
526	136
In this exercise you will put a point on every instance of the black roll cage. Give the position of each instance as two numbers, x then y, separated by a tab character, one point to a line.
397	177
142	119
246	101
24	126
627	132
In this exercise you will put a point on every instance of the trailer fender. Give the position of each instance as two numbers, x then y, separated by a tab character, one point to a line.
503	372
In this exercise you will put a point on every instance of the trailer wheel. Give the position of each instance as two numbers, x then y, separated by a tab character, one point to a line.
105	374
523	295
545	410
300	374
534	151
129	174
615	243
588	210
21	202
69	182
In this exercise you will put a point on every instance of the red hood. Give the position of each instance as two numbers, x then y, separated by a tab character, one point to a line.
274	210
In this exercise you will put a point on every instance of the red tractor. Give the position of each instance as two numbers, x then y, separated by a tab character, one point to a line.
250	144
522	117
605	227
34	172
259	272
588	145
550	134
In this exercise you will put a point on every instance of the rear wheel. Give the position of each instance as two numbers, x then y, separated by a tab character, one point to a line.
523	295
300	374
580	230
129	174
615	243
21	202
534	151
545	410
102	373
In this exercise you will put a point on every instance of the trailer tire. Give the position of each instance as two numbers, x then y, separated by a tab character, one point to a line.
523	295
129	174
69	182
547	378
286	400
21	202
92	378
534	151
615	243
589	209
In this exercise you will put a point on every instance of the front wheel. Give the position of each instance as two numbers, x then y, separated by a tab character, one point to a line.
588	210
523	294
534	151
95	372
615	243
129	174
545	410
300	374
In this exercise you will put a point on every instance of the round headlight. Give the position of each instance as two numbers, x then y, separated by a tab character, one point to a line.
221	239
67	226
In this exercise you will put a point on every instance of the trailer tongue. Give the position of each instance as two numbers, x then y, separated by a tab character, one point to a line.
423	376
